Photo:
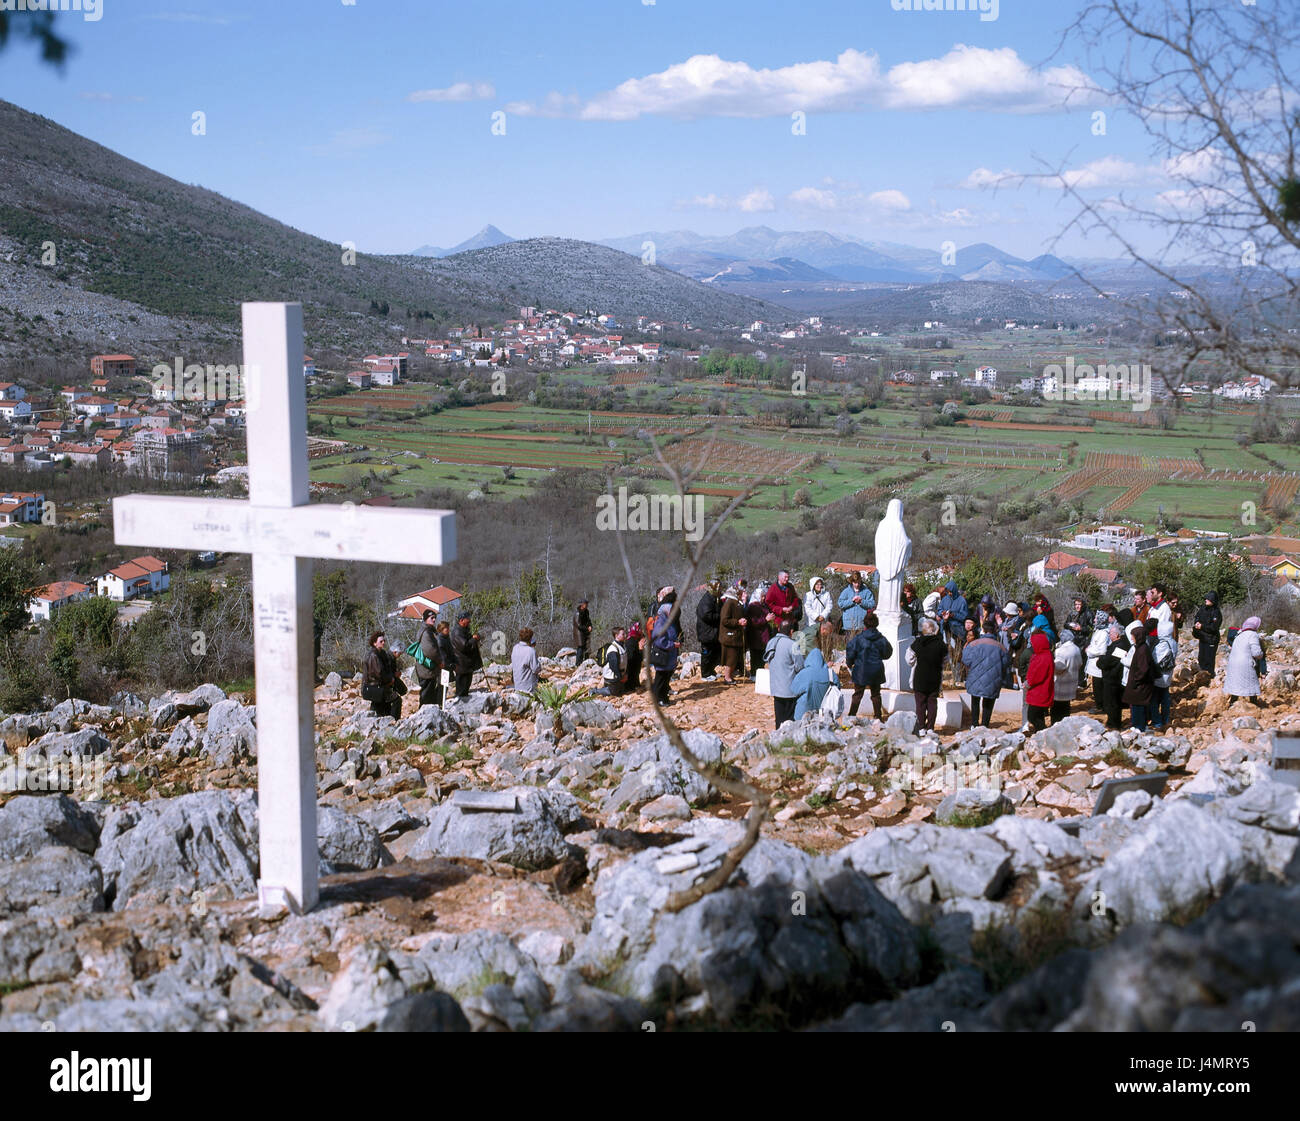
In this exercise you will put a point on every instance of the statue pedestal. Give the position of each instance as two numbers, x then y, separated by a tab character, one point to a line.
897	627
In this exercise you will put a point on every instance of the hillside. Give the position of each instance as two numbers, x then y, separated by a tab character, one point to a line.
146	263
958	302
559	272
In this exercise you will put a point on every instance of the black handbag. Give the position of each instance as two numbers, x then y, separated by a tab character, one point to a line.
372	692
399	687
662	659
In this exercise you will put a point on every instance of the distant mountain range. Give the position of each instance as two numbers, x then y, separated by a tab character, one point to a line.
760	254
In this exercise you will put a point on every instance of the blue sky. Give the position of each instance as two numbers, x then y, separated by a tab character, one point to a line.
372	122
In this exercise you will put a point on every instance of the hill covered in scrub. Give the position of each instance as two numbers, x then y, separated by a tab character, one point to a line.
139	257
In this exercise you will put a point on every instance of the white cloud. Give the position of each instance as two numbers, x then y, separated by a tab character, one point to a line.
349	140
889	200
754	201
982	177
816	198
1109	171
457	91
758	199
710	86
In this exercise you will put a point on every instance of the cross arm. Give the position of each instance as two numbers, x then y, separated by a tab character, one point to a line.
396	535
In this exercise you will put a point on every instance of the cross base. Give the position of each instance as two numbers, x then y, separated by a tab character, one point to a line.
273	897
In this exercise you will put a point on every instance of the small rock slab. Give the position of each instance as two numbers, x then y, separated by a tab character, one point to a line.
485	801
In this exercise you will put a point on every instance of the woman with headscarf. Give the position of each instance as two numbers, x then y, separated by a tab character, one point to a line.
1139	686
1043	623
817	609
635	647
1245	660
926	656
731	633
1098	644
1067	662
1112	666
1208	628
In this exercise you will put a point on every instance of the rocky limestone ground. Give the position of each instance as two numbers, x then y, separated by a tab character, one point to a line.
906	883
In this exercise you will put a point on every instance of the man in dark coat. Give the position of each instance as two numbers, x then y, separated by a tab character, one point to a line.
708	614
987	665
1208	629
581	631
469	658
429	676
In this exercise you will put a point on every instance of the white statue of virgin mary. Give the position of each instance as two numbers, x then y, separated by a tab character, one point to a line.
893	551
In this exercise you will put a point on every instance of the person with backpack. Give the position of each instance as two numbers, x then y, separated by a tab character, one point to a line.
811	684
987	665
428	660
731	635
1040	680
1208	628
783	662
855	601
1165	655
469	658
524	664
1245	661
867	652
665	647
1139	684
380	684
1068	661
613	661
581	631
926	657
707	618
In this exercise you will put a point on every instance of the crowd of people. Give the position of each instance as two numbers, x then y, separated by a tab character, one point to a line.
1120	659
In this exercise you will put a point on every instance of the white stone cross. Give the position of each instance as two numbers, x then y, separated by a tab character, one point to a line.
283	532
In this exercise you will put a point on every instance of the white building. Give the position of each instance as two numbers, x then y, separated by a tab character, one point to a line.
50	598
986	375
1051	568
14	410
139	576
442	599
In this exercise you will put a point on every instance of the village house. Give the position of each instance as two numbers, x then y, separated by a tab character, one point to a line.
105	366
359	378
94	406
1124	539
50	598
73	393
18	507
83	455
397	361
139	576
10	391
1051	568
14	410
441	598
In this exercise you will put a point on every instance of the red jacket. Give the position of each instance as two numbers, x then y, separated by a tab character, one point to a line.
1040	678
778	599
